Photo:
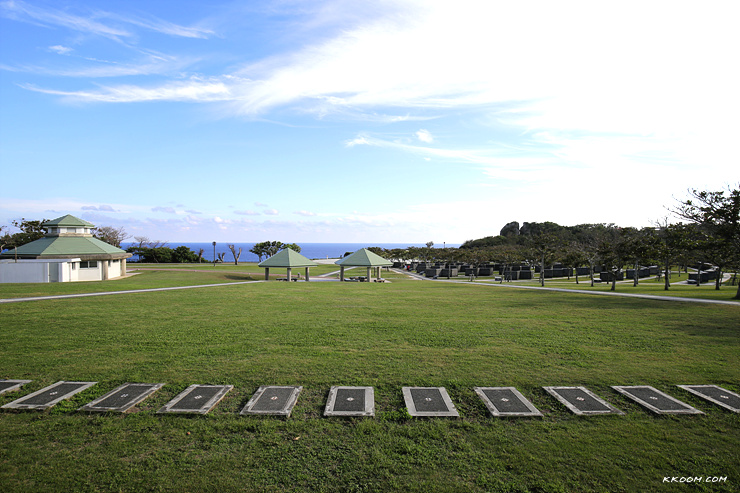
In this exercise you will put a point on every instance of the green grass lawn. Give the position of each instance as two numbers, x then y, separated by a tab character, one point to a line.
384	335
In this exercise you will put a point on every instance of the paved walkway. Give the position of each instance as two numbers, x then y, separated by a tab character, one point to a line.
398	271
131	291
579	291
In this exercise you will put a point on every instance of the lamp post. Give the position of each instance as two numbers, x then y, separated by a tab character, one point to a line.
214	254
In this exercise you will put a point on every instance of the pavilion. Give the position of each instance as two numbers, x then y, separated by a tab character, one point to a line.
67	252
363	258
289	259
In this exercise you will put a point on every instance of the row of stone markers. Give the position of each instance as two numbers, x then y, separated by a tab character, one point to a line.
360	401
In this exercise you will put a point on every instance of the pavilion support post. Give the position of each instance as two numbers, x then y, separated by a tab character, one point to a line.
307	278
289	278
267	273
341	273
369	275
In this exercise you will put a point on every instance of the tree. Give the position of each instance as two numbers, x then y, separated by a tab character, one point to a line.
639	246
542	246
29	231
573	256
112	236
612	254
674	241
183	254
260	249
142	241
717	214
269	248
508	256
236	255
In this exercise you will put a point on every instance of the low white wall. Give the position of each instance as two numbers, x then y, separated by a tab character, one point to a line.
37	271
23	272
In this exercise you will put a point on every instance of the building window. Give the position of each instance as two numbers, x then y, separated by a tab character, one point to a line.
89	264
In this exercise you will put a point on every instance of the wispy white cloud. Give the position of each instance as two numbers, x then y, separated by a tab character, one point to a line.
61	50
305	213
200	91
612	82
160	26
102	208
490	156
22	11
167	210
271	212
102	68
89	22
247	213
66	205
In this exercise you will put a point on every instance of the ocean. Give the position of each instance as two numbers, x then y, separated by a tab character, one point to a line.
309	250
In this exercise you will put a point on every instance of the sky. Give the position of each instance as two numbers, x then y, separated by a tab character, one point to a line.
375	121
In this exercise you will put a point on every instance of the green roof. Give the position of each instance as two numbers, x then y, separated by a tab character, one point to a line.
52	246
68	220
287	258
364	258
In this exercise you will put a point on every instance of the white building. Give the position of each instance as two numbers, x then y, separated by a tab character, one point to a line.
67	253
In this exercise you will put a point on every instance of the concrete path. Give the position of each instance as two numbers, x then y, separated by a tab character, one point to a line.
579	291
410	274
132	291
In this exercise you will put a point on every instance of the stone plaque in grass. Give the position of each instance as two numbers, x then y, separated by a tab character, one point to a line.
582	401
49	396
12	385
655	400
350	401
429	402
122	398
196	399
506	402
713	393
275	400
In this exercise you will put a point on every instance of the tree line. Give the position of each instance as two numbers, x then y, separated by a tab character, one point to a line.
710	235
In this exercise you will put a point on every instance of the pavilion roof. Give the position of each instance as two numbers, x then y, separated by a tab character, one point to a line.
56	246
363	258
287	258
68	220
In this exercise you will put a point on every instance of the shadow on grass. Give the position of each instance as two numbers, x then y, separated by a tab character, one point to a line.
237	277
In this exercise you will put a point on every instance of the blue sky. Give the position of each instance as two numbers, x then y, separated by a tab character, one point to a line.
378	121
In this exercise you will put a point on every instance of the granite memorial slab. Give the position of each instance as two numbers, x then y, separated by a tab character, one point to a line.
12	385
717	395
350	401
582	401
506	402
429	402
655	400
273	400
123	398
49	396
196	399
